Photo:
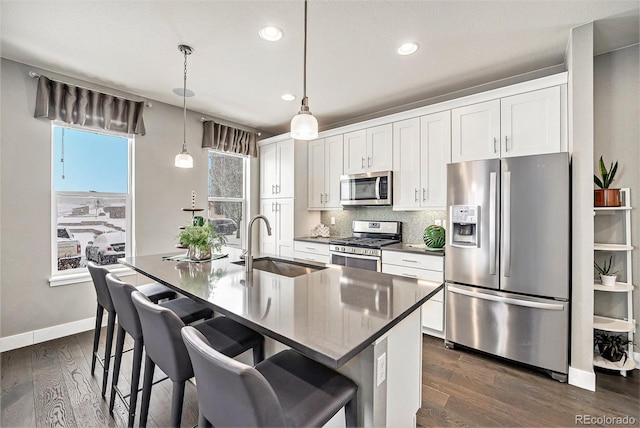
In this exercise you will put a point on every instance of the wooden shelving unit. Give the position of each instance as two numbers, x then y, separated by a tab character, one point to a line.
625	325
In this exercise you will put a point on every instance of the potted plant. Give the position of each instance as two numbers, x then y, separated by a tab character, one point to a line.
607	276
604	196
201	241
612	347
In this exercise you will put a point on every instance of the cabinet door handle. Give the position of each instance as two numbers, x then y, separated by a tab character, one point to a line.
322	199
409	275
273	189
415	195
277	188
369	161
326	198
362	162
409	260
272	207
506	144
495	145
277	205
311	248
424	192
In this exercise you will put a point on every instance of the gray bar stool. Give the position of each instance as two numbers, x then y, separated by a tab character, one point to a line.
153	291
128	322
287	389
164	347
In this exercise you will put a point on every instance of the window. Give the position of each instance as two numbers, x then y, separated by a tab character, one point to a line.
227	195
91	198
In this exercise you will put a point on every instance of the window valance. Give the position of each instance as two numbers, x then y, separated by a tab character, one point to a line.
227	139
81	106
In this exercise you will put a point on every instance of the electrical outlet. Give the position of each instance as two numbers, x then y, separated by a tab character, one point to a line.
381	371
438	222
333	221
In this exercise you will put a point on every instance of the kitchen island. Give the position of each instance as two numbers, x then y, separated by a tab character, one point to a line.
363	323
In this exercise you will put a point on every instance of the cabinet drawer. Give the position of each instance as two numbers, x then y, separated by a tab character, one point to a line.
420	261
311	257
413	272
311	247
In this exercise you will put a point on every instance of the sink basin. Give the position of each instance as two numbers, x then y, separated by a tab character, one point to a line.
282	267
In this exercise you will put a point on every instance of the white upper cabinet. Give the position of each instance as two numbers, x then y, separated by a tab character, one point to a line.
518	125
316	173
368	150
277	170
530	123
435	154
475	132
421	151
325	169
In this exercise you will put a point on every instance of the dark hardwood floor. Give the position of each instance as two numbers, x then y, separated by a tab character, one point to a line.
50	385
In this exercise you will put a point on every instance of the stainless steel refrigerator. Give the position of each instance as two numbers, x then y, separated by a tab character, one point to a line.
507	259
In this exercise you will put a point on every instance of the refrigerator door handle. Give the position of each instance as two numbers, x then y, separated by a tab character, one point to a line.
506	214
493	203
508	300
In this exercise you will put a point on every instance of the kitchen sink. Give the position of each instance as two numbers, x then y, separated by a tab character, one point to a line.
282	267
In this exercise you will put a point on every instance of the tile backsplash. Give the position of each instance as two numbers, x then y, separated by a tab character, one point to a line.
413	222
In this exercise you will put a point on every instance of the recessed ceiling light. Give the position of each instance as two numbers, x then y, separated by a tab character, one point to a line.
408	48
270	33
178	91
288	97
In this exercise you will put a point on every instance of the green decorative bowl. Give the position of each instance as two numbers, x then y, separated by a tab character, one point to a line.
434	236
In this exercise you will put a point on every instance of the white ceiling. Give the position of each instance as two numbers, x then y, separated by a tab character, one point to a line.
353	70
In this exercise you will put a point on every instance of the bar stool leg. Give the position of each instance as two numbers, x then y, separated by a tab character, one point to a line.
111	323
258	353
96	337
116	366
147	383
351	413
177	398
135	379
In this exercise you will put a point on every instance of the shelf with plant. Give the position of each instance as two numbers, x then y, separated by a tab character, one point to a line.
612	351
605	196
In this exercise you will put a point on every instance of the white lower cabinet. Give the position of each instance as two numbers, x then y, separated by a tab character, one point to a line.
420	266
279	211
312	251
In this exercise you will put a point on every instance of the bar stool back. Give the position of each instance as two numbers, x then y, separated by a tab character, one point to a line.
165	348
287	389
98	273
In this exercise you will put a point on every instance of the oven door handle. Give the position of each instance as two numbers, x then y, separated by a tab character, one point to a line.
355	256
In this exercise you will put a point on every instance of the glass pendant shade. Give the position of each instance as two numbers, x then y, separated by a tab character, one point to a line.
304	126
184	160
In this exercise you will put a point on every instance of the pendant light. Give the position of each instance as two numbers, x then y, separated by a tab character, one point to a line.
184	159
303	125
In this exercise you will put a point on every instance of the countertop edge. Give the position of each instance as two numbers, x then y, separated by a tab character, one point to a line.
406	248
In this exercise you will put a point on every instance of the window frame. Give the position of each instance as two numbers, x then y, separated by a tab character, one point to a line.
245	192
81	274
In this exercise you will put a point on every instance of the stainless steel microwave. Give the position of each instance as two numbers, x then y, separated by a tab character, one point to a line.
369	188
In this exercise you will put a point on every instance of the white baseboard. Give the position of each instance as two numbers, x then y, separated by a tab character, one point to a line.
582	379
42	335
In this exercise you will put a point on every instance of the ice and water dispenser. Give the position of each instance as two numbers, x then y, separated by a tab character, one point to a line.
465	222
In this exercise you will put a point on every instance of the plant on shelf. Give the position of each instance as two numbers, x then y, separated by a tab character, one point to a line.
201	240
612	347
605	196
607	276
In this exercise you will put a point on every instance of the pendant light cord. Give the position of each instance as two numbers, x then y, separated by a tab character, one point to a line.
184	104
304	79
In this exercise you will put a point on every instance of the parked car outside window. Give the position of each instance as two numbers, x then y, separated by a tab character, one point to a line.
106	248
224	226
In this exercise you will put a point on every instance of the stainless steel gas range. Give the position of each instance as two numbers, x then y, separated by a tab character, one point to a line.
363	249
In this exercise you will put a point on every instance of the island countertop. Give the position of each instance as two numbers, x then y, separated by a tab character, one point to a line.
329	315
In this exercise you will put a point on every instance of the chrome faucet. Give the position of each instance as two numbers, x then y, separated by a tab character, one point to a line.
248	261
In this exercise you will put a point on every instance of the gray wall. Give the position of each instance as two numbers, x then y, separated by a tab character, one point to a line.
27	302
616	137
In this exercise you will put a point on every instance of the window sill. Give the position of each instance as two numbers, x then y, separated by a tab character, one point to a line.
78	277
